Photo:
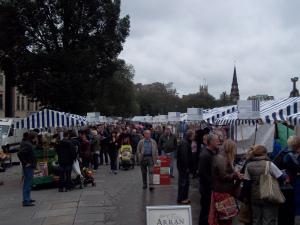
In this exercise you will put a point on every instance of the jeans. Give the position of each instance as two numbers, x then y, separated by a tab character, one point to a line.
205	192
113	155
96	161
171	155
146	165
104	154
264	213
183	186
65	177
28	177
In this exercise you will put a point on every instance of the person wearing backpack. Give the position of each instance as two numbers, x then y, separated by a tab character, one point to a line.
28	161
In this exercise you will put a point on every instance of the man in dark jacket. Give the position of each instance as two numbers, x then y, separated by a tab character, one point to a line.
28	162
184	162
168	145
205	166
66	153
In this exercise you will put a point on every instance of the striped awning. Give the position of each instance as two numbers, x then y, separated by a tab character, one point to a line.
212	115
49	118
270	111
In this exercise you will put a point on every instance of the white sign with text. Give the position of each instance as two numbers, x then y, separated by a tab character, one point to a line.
169	215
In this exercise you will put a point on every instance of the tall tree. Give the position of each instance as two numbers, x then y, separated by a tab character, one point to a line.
69	49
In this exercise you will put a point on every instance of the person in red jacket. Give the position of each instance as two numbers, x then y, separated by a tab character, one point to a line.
85	151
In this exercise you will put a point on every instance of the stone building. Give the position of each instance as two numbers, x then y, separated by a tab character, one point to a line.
21	105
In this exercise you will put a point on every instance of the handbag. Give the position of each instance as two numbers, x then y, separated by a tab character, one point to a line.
269	188
226	208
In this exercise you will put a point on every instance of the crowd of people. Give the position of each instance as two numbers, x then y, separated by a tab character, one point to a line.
202	154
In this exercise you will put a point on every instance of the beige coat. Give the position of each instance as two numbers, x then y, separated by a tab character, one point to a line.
140	150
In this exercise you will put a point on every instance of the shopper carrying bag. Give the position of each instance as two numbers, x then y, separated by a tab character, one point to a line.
269	187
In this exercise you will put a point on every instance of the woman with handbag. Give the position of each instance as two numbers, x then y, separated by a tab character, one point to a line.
264	210
225	183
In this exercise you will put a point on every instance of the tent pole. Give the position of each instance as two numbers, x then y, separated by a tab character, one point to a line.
255	134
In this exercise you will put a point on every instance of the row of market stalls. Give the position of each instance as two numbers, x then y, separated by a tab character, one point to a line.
273	121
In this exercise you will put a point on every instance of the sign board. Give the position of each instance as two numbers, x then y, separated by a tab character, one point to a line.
93	114
248	109
194	111
169	215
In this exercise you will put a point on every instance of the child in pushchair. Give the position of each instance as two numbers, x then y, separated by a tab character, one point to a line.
84	176
126	158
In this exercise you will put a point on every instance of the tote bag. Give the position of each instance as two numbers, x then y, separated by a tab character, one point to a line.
269	187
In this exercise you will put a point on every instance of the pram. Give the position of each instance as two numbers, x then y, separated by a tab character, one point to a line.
126	158
84	176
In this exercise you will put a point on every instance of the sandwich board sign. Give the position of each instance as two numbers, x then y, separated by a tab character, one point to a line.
169	215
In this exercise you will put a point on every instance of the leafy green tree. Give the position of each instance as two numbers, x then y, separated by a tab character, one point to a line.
68	49
157	98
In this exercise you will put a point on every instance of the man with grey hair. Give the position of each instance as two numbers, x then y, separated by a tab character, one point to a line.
147	154
205	167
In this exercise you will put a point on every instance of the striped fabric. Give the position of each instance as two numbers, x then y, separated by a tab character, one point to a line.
49	118
213	115
270	111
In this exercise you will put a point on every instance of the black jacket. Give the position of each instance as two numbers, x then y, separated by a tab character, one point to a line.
26	154
184	156
205	166
66	152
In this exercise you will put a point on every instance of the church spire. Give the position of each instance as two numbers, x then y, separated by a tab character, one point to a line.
234	93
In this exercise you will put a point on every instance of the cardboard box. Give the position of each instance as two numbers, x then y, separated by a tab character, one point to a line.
165	170
156	179
156	170
165	179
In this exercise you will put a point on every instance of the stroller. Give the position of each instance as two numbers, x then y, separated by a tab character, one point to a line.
84	176
126	158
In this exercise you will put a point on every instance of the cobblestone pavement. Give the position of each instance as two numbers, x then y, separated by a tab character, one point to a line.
116	200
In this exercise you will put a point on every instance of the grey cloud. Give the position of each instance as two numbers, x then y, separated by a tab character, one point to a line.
186	41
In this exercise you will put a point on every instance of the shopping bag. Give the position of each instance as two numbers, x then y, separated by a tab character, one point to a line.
76	168
269	188
245	214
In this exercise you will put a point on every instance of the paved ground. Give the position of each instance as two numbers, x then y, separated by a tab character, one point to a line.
116	200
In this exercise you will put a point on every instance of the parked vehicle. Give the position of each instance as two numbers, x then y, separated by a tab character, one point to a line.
10	138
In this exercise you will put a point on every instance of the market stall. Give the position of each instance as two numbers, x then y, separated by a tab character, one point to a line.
45	153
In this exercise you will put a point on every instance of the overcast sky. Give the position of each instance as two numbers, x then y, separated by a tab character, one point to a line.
187	41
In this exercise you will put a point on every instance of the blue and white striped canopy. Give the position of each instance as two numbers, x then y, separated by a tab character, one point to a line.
270	111
49	118
212	115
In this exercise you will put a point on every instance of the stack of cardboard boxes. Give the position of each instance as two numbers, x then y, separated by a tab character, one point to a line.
161	171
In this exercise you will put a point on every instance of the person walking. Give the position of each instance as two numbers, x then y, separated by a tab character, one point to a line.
85	151
225	182
147	154
168	144
263	212
205	179
113	151
28	161
184	161
66	154
95	148
135	137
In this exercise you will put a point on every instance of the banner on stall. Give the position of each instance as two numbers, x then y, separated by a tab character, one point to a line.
169	215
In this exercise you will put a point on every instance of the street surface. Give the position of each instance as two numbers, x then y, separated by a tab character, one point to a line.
116	200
